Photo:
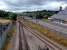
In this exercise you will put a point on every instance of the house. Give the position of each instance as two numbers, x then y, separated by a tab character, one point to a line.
60	17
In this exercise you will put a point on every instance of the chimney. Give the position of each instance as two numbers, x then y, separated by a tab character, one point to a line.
60	8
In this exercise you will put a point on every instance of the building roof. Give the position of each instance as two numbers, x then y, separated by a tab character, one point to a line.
61	15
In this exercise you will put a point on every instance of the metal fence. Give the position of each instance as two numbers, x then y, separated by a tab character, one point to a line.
3	34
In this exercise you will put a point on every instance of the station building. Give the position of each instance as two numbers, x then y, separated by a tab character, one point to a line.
60	17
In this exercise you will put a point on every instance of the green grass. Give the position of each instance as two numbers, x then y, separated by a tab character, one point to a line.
45	20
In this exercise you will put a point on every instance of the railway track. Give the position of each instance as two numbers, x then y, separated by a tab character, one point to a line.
37	34
20	40
49	44
23	45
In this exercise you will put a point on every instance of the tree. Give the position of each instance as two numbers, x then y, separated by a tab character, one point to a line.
8	15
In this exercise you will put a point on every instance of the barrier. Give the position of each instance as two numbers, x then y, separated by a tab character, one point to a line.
3	36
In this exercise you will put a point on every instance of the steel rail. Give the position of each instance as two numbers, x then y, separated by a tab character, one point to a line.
30	30
23	45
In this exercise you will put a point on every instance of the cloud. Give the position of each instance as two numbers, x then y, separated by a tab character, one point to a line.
30	5
3	5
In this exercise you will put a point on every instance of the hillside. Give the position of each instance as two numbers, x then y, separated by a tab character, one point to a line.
40	14
8	15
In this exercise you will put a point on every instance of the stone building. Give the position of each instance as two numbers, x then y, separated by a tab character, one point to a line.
60	17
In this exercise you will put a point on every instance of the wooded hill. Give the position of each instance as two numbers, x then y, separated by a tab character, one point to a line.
40	14
8	15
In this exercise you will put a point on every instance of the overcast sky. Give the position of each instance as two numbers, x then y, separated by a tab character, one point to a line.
30	5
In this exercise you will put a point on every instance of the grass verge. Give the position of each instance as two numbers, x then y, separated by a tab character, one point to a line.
45	20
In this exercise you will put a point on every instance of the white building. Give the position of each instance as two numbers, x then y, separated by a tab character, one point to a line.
60	17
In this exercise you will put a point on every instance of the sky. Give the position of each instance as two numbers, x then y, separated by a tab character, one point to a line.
31	5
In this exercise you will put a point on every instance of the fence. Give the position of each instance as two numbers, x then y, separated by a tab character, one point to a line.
3	35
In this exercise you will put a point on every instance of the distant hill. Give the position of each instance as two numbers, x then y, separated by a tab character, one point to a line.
40	14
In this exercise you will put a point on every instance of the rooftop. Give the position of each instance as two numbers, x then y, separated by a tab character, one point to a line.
61	15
